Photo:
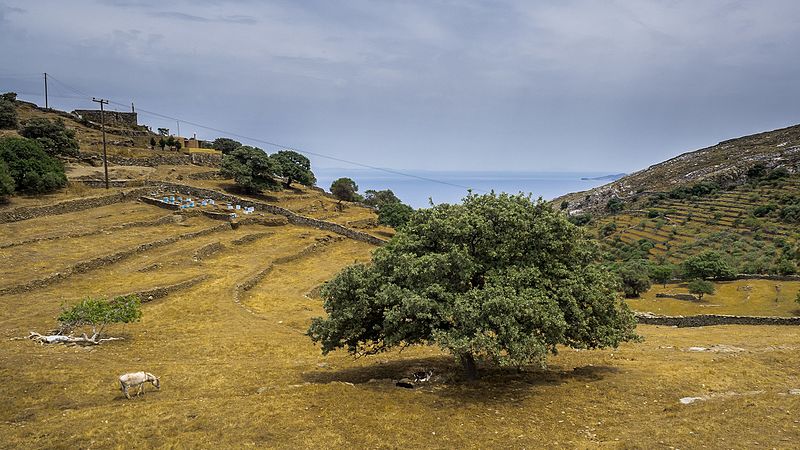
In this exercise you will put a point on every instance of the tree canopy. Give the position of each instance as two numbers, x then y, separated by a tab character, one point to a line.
32	170
498	278
54	137
345	189
294	167
700	288
635	277
225	145
8	111
394	214
377	198
709	264
251	168
6	182
98	313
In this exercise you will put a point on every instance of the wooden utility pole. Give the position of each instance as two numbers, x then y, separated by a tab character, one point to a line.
46	105
103	126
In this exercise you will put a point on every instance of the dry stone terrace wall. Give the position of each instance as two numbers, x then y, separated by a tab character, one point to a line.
293	217
198	159
68	206
704	320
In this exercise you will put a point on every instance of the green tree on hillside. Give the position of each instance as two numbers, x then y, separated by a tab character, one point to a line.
394	214
53	136
251	168
662	273
8	111
377	198
709	264
6	182
700	287
171	142
152	143
225	145
294	167
32	170
635	277
345	189
497	278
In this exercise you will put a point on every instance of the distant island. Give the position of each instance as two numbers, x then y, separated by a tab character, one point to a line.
612	177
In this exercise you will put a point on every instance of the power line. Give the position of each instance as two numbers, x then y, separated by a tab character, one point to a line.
270	143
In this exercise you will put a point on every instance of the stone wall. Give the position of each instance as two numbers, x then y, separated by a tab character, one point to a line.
293	217
704	320
68	206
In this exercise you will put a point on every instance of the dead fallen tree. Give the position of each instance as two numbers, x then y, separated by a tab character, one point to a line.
95	339
96	314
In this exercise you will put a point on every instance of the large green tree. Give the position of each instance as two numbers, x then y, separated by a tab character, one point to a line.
345	189
54	137
225	145
251	168
498	278
32	170
709	264
294	167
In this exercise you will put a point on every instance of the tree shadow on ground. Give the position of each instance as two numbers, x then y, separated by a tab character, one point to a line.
496	384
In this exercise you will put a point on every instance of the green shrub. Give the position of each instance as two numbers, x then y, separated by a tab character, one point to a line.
709	264
53	136
701	287
634	278
6	182
394	214
8	112
98	313
33	170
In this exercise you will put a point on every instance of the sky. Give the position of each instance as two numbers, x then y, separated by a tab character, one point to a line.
568	85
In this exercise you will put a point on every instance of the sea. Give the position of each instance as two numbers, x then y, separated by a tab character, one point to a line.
420	188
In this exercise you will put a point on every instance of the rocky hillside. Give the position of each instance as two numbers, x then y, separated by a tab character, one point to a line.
726	163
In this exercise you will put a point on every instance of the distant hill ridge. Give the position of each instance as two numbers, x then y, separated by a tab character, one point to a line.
725	163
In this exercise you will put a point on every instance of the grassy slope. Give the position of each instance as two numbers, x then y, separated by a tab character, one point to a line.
245	375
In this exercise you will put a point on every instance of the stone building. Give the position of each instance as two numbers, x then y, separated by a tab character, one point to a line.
112	118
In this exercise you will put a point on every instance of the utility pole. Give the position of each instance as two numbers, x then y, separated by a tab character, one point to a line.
103	125
179	126
46	105
133	109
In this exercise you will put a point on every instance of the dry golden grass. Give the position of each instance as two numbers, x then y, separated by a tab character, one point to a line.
245	375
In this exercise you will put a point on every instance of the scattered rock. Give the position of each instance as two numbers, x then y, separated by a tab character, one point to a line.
690	400
794	391
696	349
405	383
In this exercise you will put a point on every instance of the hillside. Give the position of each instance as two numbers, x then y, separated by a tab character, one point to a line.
740	197
725	163
226	308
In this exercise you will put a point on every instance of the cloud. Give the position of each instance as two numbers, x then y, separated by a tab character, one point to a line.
238	19
615	85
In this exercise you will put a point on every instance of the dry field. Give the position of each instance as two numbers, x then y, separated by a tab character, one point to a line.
238	371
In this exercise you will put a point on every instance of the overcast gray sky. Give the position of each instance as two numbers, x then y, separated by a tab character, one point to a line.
423	84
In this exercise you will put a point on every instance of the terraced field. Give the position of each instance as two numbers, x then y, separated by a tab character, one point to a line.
724	221
227	339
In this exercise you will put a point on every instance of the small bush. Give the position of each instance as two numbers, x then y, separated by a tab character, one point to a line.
8	112
700	288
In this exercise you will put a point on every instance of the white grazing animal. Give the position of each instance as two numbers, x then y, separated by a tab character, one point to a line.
137	379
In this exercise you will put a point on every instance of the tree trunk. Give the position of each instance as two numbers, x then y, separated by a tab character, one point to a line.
470	369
